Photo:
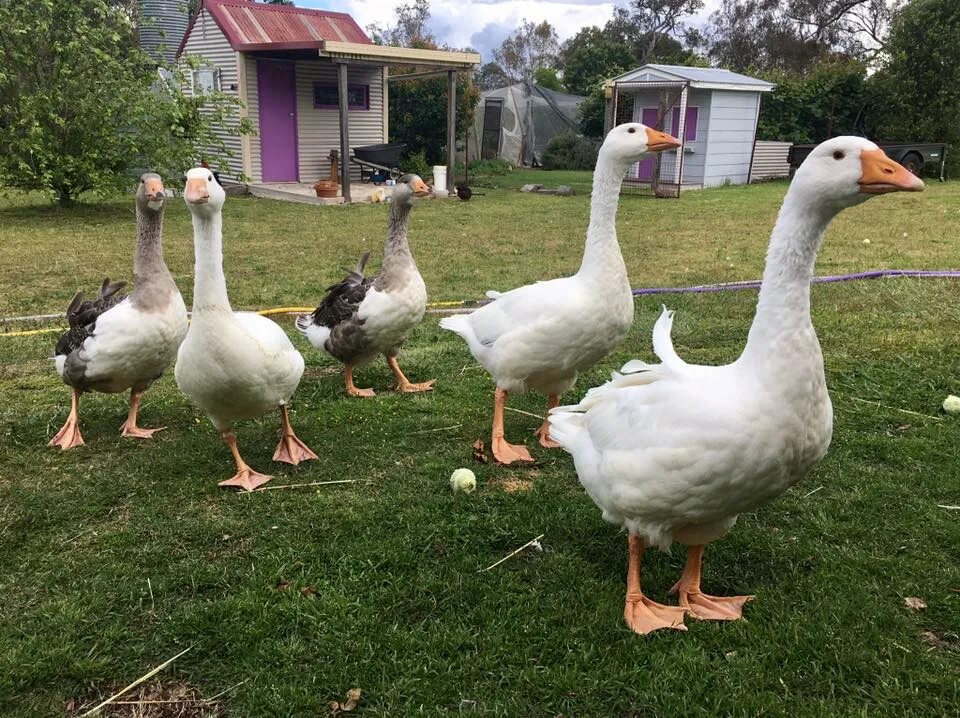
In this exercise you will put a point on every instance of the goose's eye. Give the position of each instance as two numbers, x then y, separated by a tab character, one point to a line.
631	130
838	155
209	178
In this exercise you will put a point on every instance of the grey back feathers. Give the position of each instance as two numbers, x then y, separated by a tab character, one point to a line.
342	299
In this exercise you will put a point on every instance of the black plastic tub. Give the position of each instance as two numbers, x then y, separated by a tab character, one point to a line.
386	155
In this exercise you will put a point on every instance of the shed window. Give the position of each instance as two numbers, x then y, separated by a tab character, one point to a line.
326	96
206	79
689	126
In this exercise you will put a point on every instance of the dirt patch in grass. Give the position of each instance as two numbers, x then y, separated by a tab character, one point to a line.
155	700
513	485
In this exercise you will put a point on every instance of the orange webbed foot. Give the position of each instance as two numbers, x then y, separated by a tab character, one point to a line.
138	432
68	437
644	616
408	388
246	479
362	393
506	453
544	435
291	450
714	608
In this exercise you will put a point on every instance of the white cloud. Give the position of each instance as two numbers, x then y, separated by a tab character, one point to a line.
483	24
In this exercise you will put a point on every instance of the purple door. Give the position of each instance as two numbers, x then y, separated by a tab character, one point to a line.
278	121
650	116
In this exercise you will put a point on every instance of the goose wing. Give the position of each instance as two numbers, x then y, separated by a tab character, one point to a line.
343	299
82	315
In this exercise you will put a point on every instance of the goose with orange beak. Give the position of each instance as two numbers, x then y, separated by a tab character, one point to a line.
118	342
541	336
363	317
233	365
675	451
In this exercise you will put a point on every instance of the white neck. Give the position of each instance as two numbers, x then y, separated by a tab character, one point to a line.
601	254
783	308
209	284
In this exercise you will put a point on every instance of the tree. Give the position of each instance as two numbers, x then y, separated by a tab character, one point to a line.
418	107
645	23
490	76
916	93
592	56
81	105
530	48
794	35
547	77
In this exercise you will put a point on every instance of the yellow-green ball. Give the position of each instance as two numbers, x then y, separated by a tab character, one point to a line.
463	480
951	404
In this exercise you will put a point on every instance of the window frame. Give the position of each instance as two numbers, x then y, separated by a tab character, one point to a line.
364	106
215	75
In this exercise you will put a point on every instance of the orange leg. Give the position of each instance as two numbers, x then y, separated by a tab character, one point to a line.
69	436
403	384
700	605
504	452
544	431
641	614
290	449
246	478
130	427
351	389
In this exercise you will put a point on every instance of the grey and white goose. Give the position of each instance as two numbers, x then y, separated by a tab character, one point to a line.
361	317
118	342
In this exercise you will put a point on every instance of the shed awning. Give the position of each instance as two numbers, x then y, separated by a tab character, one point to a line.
389	55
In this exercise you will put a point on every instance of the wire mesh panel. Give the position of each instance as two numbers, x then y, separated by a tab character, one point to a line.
653	103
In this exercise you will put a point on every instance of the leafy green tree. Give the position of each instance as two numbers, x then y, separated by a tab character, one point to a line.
547	77
824	102
81	107
590	113
916	93
418	107
592	56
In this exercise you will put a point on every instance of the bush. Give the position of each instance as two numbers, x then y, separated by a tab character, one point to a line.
416	163
490	168
570	151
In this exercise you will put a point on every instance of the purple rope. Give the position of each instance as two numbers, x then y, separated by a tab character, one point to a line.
755	283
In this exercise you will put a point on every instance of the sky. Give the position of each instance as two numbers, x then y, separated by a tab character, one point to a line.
483	24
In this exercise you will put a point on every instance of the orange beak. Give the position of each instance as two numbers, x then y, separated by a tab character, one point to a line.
196	191
659	141
880	175
153	189
420	188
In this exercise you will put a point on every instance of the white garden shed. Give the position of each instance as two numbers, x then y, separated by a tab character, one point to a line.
713	111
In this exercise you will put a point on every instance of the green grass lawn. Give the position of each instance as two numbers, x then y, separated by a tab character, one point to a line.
120	554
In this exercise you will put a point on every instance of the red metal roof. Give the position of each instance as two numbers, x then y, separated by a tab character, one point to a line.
256	26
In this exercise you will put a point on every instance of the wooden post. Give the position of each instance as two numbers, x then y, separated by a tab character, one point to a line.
344	103
451	126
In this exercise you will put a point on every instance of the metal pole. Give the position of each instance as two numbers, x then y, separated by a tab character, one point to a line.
451	125
344	103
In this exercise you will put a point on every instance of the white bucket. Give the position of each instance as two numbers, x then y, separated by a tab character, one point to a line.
440	179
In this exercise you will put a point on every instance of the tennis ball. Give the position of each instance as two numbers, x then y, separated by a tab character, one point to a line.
951	404
464	480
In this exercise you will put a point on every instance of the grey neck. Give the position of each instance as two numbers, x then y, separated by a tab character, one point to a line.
601	254
153	282
397	259
209	283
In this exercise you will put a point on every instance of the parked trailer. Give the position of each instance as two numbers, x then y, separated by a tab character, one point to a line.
914	156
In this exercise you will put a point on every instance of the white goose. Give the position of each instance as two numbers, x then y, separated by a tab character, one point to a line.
542	335
674	452
117	343
234	365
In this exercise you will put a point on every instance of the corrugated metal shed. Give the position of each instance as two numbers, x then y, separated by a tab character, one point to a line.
252	26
